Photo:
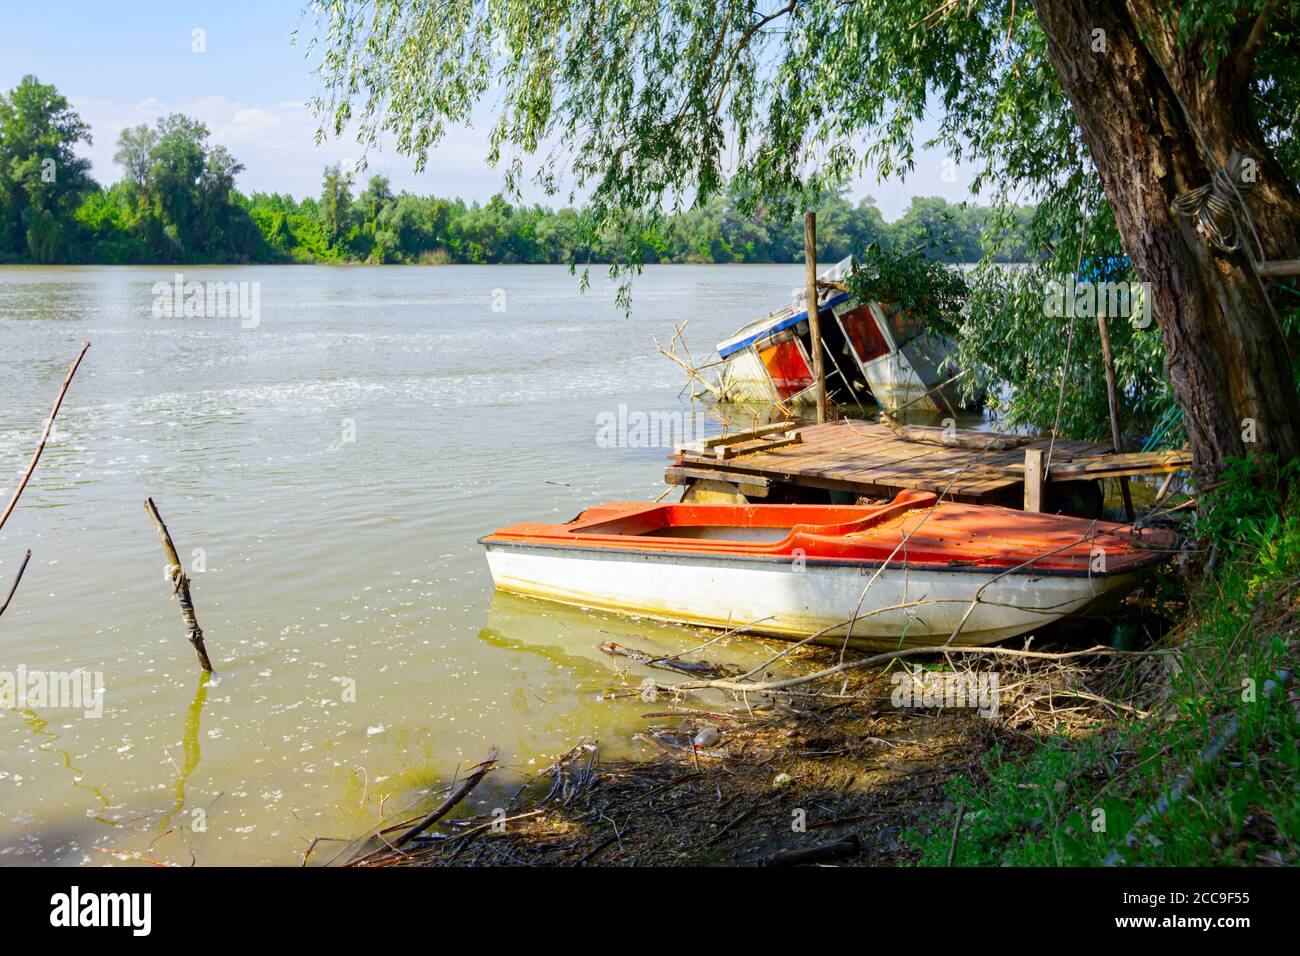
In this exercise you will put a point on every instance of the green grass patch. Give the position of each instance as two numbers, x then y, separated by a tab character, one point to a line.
1071	802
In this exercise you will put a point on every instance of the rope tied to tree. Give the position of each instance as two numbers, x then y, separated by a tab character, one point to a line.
1217	207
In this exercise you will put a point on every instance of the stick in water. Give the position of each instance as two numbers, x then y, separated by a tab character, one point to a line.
182	585
45	434
21	568
468	784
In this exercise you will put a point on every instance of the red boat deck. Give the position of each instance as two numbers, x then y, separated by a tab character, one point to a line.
908	530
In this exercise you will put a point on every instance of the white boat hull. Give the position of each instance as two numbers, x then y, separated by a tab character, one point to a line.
902	608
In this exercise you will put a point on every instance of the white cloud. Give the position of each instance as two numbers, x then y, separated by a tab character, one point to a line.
277	145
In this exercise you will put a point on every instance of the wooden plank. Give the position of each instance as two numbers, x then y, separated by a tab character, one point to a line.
895	474
736	437
958	437
1059	460
868	459
682	475
985	486
903	460
845	461
1279	267
925	466
1132	458
1129	464
742	470
731	451
713	492
814	309
794	457
836	443
751	486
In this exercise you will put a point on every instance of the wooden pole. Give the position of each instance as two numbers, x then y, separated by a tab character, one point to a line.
1279	267
182	584
814	316
1112	399
45	435
1034	458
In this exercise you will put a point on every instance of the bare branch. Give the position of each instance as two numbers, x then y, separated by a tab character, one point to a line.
181	583
1245	59
14	587
740	46
45	434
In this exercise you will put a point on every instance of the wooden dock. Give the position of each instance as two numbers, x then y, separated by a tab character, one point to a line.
867	459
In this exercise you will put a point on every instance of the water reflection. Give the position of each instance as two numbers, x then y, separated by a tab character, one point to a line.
569	639
41	728
192	750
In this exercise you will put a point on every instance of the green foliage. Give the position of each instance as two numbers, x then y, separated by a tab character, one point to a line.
336	202
1244	513
177	202
1042	809
42	180
639	105
917	285
1029	363
44	234
105	219
653	110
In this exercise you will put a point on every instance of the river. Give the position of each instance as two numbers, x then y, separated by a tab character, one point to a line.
326	466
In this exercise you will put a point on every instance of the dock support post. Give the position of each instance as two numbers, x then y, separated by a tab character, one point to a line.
814	319
1112	399
1034	476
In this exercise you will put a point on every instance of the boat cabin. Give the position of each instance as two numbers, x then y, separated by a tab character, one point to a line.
873	353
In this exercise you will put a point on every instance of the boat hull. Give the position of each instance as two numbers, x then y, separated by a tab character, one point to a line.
903	607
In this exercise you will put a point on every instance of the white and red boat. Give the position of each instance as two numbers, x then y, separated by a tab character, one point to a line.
872	351
904	573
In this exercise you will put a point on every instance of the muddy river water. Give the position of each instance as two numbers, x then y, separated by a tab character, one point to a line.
326	467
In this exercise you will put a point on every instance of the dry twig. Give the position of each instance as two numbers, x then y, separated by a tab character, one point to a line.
45	435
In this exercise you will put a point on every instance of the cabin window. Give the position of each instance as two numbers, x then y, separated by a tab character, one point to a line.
861	330
787	367
903	327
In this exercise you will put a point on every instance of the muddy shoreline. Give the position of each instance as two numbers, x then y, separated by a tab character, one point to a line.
834	773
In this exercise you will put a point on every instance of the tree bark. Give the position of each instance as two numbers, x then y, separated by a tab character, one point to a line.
1140	103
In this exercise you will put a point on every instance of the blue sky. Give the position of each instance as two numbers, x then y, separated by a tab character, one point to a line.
121	64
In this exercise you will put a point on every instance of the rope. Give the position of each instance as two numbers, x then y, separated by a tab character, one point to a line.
1227	183
1214	207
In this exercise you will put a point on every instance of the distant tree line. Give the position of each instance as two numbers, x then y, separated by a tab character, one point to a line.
177	203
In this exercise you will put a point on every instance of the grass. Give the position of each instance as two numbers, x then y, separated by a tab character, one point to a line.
1072	801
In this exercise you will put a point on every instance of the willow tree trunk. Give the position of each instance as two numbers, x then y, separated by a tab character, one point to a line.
1141	98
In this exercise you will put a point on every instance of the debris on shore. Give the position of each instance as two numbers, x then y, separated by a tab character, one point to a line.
830	772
